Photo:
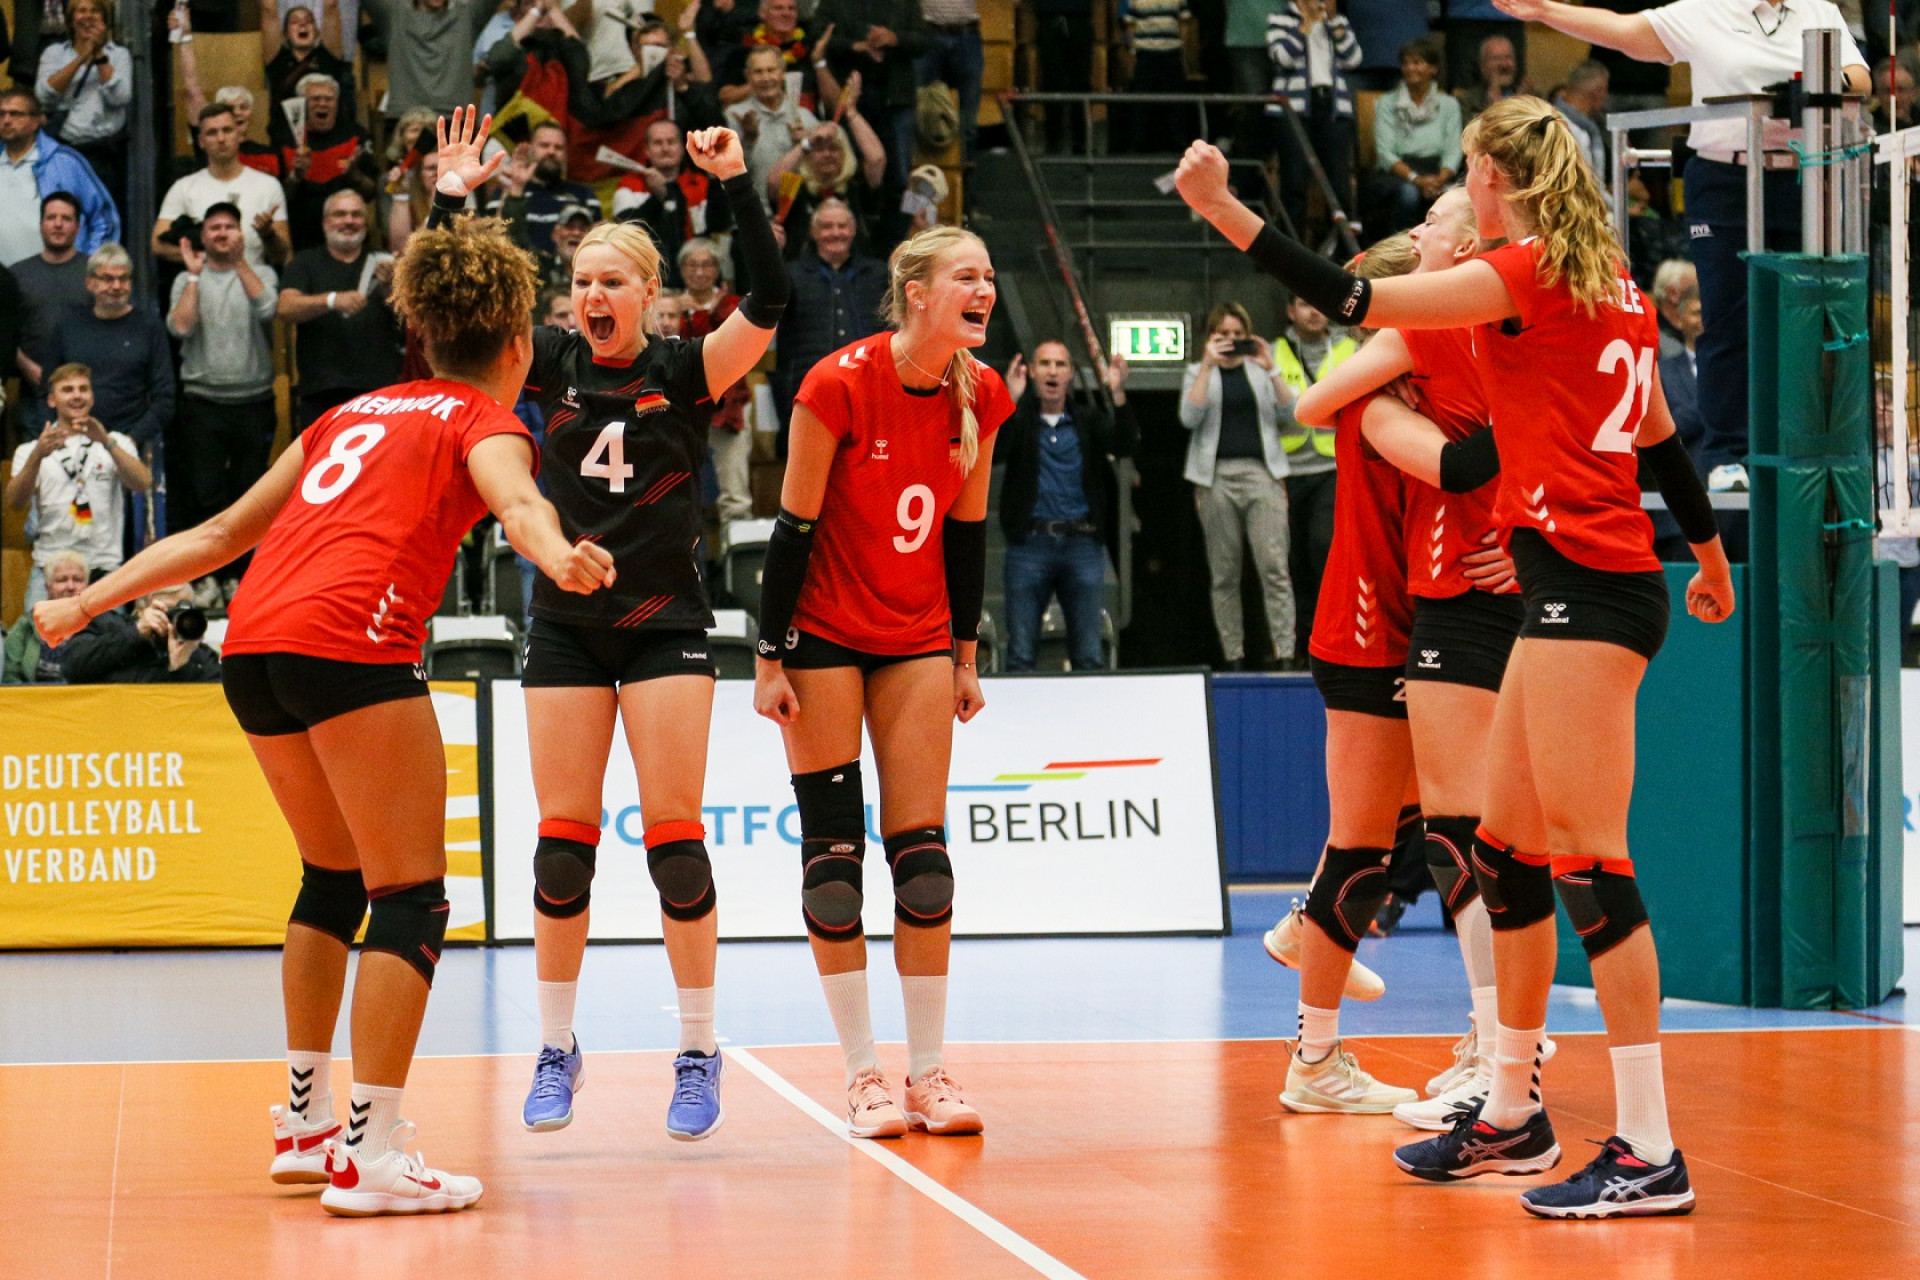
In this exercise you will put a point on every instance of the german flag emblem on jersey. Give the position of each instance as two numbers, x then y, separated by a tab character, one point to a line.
649	402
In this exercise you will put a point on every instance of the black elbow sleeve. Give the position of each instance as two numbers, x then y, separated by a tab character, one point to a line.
768	286
1467	464
1680	485
1341	294
965	547
781	578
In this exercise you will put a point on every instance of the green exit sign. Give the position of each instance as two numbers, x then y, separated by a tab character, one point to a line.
1152	339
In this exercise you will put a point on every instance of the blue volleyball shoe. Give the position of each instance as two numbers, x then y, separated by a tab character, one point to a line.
557	1076
695	1111
1617	1184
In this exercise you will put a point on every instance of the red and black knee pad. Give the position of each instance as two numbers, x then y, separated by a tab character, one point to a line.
677	860
1449	853
1348	894
1602	898
334	902
1517	887
410	921
563	867
922	876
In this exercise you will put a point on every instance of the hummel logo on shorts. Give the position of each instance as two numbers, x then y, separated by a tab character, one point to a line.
1429	660
1554	613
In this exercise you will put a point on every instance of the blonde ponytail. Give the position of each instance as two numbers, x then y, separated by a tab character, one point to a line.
915	260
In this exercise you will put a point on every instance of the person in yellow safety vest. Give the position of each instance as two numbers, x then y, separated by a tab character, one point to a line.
1308	351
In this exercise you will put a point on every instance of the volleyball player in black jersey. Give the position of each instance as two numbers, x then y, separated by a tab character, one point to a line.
626	434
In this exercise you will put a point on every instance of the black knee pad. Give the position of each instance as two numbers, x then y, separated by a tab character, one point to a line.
410	922
1604	906
563	867
334	902
922	876
1348	893
682	872
833	849
1518	893
1449	850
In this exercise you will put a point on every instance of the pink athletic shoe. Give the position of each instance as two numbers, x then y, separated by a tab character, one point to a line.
934	1104
870	1109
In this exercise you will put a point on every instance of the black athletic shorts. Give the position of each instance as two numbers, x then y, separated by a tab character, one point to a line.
1463	639
1568	601
273	694
564	655
808	652
1371	691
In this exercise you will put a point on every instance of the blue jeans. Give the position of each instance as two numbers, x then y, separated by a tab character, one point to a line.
1072	566
959	61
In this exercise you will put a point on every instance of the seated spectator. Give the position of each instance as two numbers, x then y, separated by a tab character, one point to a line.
1652	237
1310	47
296	46
27	660
669	318
1906	71
542	184
1499	78
161	643
1416	143
1059	501
706	301
428	46
1582	103
770	121
126	350
881	41
1680	383
674	200
1469	24
837	293
85	83
222	313
334	154
51	282
225	181
35	164
75	479
1308	351
346	339
730	31
828	170
1233	404
1675	283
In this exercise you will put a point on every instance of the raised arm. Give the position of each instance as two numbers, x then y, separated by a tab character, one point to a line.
737	345
1630	33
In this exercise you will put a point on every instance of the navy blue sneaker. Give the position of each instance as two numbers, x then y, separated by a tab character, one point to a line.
1618	1184
557	1076
1473	1147
695	1111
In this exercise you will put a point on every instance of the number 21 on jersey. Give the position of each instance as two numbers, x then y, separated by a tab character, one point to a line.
1613	436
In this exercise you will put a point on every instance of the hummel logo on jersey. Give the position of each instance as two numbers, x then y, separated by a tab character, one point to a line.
1554	612
854	359
1429	659
880	451
571	399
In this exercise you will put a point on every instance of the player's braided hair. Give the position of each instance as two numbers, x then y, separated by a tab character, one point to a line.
466	290
1554	190
632	241
915	260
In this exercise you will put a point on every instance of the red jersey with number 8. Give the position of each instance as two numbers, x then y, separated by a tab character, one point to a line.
1568	390
357	560
1364	615
877	581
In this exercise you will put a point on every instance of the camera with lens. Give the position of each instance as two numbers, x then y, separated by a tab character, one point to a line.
188	620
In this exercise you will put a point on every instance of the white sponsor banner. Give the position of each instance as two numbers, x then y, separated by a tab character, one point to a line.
1080	804
1910	788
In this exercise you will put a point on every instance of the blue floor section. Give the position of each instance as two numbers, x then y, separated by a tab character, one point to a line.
200	1005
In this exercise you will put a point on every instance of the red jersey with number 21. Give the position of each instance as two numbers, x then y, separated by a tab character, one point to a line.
1569	389
356	562
877	581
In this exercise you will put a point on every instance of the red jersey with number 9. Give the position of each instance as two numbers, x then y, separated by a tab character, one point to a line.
357	560
877	581
1364	615
1568	390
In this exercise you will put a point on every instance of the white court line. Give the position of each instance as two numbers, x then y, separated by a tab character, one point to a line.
980	1220
113	1185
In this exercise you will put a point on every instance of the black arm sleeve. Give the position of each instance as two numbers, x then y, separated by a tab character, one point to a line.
444	209
1340	294
1680	485
768	286
781	578
965	548
1467	464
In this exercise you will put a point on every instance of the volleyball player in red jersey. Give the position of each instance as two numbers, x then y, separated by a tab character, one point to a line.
870	608
1567	351
626	437
361	518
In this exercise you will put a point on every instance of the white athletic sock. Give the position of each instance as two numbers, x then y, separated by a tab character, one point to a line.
371	1117
696	1020
556	1014
1640	1102
310	1085
1476	944
1516	1077
1319	1032
926	1001
1486	1017
852	1019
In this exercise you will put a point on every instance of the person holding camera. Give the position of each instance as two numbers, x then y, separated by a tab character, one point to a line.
163	641
1233	400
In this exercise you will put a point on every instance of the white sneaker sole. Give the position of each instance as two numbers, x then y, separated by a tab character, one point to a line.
702	1136
1651	1207
1320	1104
379	1204
1509	1168
896	1128
958	1127
292	1170
1362	983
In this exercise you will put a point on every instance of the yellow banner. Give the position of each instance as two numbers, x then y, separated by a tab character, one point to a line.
135	815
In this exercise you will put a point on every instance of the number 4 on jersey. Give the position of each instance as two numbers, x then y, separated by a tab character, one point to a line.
607	459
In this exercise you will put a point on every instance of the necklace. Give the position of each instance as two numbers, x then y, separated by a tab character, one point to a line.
922	372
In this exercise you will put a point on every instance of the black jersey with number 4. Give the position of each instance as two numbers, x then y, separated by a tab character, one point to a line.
621	463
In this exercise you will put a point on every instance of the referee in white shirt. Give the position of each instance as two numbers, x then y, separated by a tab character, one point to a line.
1734	46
